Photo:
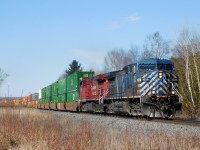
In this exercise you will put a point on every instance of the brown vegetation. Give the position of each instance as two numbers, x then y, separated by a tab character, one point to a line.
22	128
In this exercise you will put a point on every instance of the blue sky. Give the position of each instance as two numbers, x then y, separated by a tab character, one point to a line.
39	38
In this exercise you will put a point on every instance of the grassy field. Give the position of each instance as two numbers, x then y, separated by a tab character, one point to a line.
22	128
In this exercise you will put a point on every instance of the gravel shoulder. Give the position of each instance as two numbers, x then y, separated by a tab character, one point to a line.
133	125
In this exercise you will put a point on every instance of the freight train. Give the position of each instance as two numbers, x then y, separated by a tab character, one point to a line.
146	88
27	101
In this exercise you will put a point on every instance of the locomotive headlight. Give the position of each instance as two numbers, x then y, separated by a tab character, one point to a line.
153	92
160	75
173	92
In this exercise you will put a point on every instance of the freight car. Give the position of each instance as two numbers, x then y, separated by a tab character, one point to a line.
147	88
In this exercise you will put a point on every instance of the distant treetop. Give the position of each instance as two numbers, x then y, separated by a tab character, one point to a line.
73	67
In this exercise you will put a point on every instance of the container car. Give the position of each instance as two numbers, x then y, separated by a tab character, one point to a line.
43	99
62	93
34	102
54	95
39	99
48	96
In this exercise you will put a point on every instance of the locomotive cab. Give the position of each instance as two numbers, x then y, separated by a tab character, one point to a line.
158	86
157	77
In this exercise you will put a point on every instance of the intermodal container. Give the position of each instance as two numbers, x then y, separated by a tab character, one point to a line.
35	96
42	101
73	96
40	94
54	99
17	101
26	98
62	98
44	93
24	101
62	86
48	93
73	80
14	101
54	89
29	98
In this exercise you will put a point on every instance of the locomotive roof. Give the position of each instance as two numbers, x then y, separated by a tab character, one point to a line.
155	61
111	74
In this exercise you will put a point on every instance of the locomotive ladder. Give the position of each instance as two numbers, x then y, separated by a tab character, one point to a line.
101	97
180	97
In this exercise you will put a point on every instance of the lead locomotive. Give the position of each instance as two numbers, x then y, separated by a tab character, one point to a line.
147	88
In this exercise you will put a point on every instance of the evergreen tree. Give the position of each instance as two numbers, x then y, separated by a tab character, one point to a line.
73	67
3	76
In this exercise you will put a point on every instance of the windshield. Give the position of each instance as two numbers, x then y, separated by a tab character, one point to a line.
165	67
147	66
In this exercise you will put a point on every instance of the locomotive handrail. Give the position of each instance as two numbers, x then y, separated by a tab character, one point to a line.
179	95
101	97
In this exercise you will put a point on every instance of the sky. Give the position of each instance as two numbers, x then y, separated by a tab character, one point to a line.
40	38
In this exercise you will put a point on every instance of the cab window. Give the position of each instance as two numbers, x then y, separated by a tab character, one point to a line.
147	66
165	67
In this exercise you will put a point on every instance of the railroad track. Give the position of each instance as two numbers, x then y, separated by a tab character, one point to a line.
180	122
140	118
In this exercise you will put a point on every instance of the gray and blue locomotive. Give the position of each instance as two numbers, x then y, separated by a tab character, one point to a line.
147	88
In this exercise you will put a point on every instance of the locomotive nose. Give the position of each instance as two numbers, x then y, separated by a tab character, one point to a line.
164	85
157	83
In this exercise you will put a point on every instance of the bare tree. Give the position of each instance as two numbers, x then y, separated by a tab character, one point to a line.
195	42
188	49
155	47
116	60
94	68
134	53
147	54
3	76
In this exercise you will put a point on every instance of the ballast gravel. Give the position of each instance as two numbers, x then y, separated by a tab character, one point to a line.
134	125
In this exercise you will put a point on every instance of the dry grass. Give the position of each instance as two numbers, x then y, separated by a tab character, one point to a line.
32	129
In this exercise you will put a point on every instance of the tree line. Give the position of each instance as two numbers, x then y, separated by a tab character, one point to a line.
186	57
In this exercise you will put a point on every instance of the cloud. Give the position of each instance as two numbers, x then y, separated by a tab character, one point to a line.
133	18
114	25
